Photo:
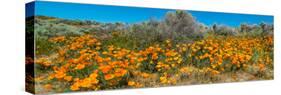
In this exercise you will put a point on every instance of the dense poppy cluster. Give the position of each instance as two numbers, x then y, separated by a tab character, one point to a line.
84	63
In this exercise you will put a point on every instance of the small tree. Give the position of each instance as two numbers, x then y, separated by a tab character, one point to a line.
179	24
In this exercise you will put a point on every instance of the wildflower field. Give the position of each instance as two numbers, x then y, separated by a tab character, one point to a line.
87	56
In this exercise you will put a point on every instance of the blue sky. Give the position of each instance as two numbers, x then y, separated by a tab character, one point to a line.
105	13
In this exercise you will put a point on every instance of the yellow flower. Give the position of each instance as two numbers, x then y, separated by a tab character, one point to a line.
104	52
163	79
98	48
168	41
98	44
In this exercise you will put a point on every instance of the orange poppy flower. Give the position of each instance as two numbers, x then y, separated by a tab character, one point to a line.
131	83
109	76
74	87
120	72
105	69
48	86
60	74
68	78
80	66
145	75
